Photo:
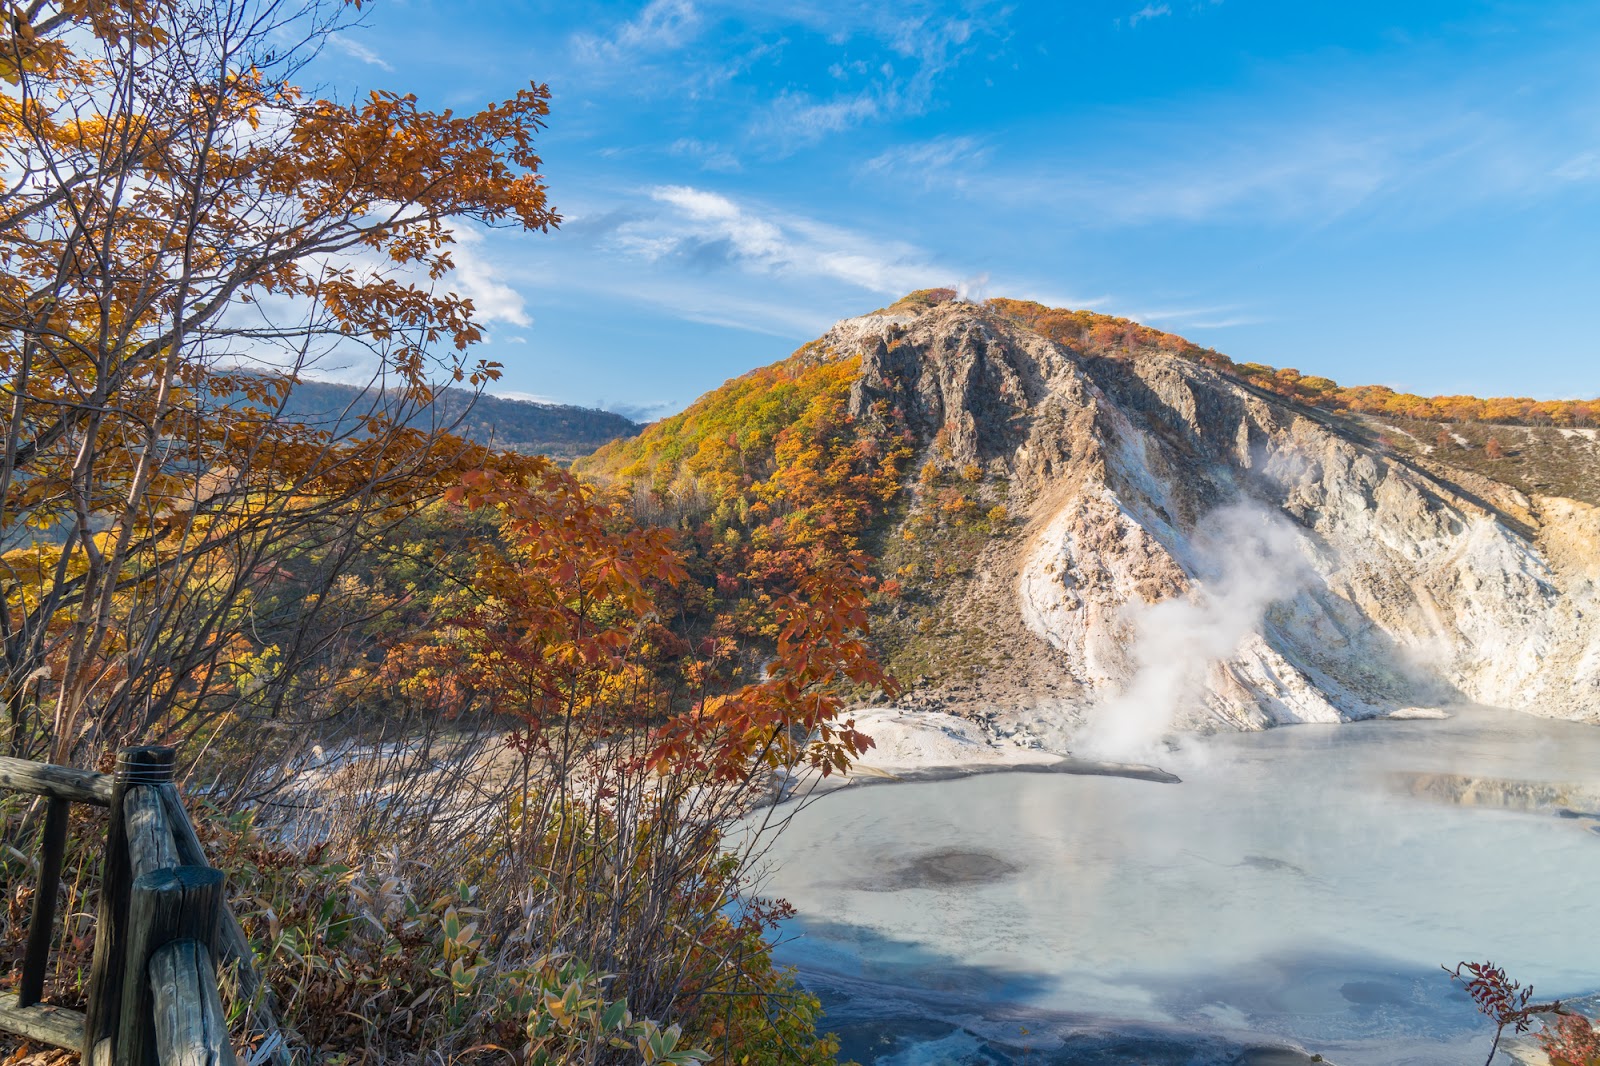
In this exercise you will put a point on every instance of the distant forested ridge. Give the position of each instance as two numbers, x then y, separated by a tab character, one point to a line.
561	431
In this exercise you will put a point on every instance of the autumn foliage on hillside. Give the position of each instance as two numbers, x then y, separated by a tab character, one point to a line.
563	629
769	480
1097	334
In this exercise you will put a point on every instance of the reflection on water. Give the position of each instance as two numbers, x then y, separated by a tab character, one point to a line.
1302	885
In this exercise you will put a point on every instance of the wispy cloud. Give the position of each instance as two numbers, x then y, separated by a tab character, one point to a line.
592	227
944	162
1309	173
769	313
710	155
358	51
1148	12
1298	174
914	52
1360	143
663	25
1053	298
1221	317
798	118
1310	164
708	231
1582	167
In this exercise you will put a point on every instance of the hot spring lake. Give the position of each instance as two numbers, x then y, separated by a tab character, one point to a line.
1301	886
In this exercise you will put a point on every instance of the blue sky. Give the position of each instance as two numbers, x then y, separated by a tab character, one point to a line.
1403	193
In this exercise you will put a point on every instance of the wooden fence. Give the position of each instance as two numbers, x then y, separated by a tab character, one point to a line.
162	927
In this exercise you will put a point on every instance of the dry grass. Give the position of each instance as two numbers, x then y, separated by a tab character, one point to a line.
426	902
1534	460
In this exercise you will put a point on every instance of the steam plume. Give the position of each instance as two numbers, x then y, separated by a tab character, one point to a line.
1245	558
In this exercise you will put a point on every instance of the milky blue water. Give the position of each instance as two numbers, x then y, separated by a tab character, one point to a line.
1301	887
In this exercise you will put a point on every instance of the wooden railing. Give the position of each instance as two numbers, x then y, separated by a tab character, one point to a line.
163	924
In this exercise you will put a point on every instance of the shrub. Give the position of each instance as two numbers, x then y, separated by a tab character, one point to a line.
1503	1001
1573	1041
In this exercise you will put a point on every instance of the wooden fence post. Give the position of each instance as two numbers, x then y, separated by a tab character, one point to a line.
233	947
190	1028
173	903
150	843
52	851
135	766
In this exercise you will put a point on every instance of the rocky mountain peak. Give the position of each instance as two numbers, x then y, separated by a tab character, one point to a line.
1384	586
1074	516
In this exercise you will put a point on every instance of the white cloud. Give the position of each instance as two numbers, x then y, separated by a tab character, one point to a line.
479	280
1309	167
1179	318
1299	150
916	51
1148	12
710	231
941	163
800	118
356	50
354	359
711	156
663	25
1208	167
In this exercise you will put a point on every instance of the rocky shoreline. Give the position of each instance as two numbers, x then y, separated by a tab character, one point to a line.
937	746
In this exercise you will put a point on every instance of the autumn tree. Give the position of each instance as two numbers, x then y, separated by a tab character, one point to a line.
183	233
621	792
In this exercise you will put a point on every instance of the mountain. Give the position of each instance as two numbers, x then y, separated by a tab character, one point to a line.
558	430
1085	517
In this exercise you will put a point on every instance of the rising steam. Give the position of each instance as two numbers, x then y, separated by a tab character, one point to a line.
1245	558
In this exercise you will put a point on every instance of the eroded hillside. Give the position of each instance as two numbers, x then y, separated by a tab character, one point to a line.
1057	523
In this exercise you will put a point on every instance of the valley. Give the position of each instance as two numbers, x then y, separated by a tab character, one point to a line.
1064	678
1118	558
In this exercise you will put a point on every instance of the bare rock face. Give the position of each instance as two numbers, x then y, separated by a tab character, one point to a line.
1353	585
